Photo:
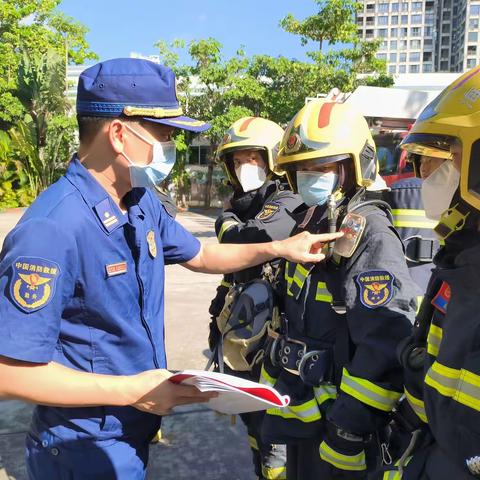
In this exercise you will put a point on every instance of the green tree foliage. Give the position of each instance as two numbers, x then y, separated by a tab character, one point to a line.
349	61
42	139
33	26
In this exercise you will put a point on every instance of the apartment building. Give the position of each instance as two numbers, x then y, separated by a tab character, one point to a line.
423	36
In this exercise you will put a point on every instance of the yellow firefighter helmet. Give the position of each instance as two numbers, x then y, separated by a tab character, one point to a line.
453	120
325	131
249	133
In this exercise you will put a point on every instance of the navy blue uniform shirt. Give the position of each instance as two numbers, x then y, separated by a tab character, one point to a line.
83	285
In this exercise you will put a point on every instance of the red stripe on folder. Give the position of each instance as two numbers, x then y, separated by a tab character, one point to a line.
262	393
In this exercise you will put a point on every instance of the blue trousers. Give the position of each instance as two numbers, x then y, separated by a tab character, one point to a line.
55	459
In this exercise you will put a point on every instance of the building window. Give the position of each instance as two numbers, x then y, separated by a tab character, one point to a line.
446	28
383	45
382	20
415	44
446	16
427	68
417	6
444	66
414	56
393	45
427	42
472	50
445	40
471	62
403	57
404	7
473	37
394	32
392	69
416	19
383	7
395	7
403	44
427	56
473	24
428	31
402	69
382	32
416	32
394	19
414	69
404	19
475	10
404	32
381	56
393	57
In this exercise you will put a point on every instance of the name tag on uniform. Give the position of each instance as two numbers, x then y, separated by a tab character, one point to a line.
116	269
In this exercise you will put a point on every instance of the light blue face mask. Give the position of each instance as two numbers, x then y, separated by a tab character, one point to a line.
315	187
163	160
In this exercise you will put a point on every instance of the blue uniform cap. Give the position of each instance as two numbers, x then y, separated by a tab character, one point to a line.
133	87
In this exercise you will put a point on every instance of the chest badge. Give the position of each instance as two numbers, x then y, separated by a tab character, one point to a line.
268	211
33	282
376	288
152	245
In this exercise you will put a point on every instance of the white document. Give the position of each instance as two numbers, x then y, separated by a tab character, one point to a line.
236	395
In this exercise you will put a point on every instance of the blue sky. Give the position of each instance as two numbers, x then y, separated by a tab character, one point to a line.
118	27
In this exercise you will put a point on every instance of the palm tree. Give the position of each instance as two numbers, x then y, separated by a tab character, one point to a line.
41	80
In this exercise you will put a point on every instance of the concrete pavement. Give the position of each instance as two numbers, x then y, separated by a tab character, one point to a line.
197	443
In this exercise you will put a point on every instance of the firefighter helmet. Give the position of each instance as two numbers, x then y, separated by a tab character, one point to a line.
324	132
453	119
249	133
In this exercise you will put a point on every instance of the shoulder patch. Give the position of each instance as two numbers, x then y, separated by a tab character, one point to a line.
376	288
441	299
33	282
268	211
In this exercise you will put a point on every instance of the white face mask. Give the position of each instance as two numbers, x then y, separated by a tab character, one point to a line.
250	176
438	189
163	160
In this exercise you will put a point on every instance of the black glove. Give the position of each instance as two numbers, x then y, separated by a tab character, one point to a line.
344	452
214	334
218	301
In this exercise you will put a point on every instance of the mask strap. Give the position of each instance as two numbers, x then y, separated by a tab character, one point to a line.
139	135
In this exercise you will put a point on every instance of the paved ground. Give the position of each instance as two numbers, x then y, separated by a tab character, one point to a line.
197	443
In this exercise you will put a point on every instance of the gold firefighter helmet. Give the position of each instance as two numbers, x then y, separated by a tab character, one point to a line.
249	133
452	121
324	132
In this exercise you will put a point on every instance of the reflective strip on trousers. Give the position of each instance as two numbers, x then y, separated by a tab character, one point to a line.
403	218
368	392
274	473
307	412
252	441
434	339
224	283
460	385
225	226
265	378
341	461
417	406
324	393
323	295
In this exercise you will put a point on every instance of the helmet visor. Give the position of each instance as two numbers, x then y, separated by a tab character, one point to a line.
429	144
474	171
